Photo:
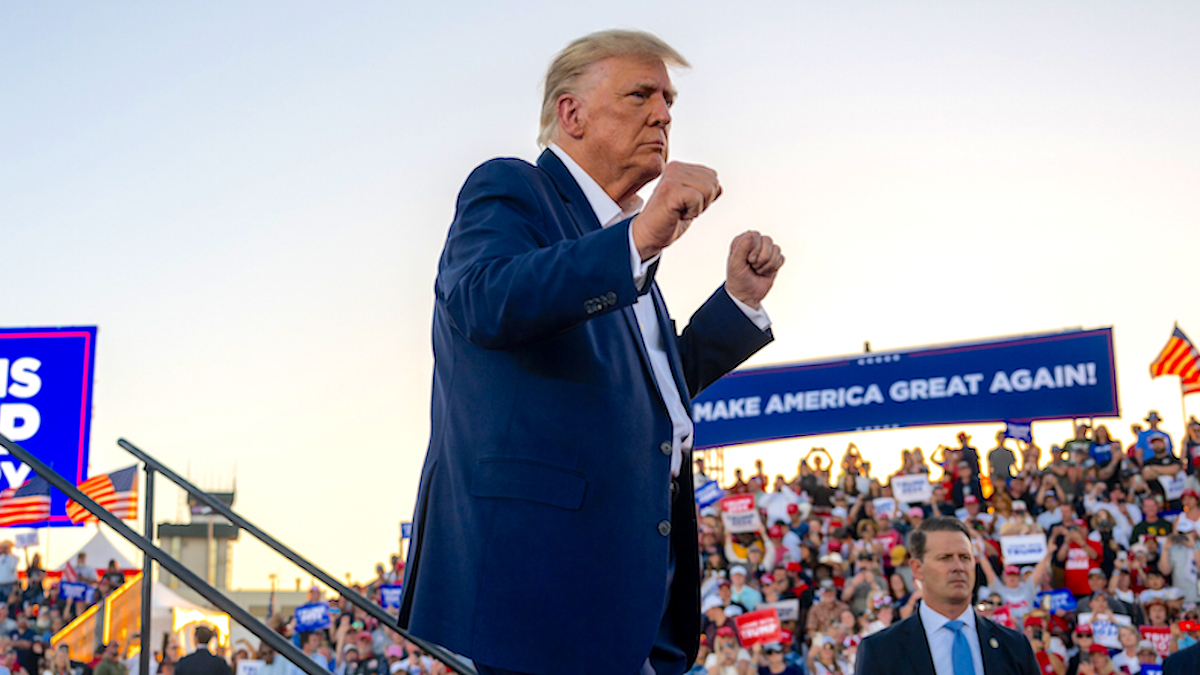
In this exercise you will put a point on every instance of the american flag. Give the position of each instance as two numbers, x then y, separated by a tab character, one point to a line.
28	504
116	492
1180	358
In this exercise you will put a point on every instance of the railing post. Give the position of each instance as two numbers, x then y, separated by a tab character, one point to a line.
147	582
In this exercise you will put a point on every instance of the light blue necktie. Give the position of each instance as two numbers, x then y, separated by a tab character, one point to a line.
960	656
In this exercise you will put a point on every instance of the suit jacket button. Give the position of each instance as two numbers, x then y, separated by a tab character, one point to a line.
664	528
665	447
610	298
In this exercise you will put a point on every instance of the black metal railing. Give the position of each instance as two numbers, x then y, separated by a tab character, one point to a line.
440	653
154	554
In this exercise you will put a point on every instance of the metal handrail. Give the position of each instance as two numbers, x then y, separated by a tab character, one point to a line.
208	592
452	661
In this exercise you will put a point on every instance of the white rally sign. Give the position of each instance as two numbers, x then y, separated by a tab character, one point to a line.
1023	549
912	489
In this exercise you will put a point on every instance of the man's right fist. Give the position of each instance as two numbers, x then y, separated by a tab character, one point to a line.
683	192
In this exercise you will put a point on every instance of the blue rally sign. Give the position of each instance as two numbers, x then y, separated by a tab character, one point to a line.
46	403
389	595
1048	376
313	616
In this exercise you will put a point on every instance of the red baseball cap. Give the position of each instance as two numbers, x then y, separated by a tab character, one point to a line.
793	566
725	631
1034	621
785	636
1012	569
1098	648
1083	629
793	509
835	545
1189	493
970	499
775	532
767	579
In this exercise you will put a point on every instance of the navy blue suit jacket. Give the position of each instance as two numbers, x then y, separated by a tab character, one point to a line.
544	517
1183	662
903	649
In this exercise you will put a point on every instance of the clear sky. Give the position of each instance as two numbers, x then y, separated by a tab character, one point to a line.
249	201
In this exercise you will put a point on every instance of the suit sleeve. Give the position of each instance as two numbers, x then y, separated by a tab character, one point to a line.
864	662
718	337
505	283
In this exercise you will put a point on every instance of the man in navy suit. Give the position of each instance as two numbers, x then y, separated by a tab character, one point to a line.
945	636
555	527
1183	662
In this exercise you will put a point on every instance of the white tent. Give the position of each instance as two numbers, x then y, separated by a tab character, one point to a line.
99	551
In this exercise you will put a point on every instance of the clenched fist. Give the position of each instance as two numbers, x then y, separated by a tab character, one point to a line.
753	262
682	194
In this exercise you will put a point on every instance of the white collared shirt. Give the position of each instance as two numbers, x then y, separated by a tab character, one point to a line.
941	639
608	212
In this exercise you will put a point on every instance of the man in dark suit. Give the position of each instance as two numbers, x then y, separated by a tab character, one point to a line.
1183	662
555	527
945	636
202	661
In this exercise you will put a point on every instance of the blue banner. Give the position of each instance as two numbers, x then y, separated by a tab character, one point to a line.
1060	599
389	595
1022	431
406	530
311	617
73	590
1049	376
708	494
46	404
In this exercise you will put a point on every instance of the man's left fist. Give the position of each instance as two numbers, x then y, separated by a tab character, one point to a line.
753	262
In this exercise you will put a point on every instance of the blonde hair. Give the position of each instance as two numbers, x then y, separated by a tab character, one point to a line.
570	64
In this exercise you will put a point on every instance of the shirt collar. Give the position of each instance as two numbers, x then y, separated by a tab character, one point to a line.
607	211
934	620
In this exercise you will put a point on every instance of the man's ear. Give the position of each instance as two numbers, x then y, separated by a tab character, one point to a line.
570	115
915	565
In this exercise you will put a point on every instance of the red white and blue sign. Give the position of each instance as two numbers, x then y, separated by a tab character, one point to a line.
1058	375
46	404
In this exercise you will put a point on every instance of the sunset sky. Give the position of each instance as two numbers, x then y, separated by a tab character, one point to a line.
250	200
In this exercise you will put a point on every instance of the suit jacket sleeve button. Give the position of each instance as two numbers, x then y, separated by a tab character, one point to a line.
665	447
664	528
610	298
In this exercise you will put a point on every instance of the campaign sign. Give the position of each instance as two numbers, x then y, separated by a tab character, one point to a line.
788	610
389	595
46	404
1173	485
1105	627
1151	669
758	627
885	507
1048	376
26	539
739	515
912	489
1159	636
73	590
1023	549
708	494
1021	431
249	666
406	530
311	617
1058	600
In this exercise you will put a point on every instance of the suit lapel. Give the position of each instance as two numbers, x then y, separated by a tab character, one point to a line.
916	645
585	221
992	664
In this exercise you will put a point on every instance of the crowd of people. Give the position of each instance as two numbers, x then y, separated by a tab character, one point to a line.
36	609
1115	589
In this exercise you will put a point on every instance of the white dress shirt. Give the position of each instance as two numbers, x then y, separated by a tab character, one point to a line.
608	212
941	639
